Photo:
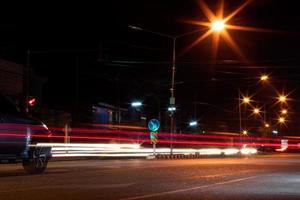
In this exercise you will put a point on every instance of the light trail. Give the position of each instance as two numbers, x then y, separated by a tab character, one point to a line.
130	150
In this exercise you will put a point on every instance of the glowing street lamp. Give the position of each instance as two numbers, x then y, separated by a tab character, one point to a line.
264	77
284	111
193	123
218	25
281	120
282	98
267	125
136	104
245	132
246	100
256	111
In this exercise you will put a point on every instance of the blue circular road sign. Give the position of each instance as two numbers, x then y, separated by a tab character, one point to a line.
153	125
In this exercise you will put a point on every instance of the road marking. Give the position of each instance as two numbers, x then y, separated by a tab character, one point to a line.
189	189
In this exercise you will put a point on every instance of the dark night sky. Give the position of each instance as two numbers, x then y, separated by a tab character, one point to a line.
68	41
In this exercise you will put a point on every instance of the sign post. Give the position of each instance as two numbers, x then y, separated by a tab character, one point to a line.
153	126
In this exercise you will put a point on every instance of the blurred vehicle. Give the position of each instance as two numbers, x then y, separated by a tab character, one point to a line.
19	135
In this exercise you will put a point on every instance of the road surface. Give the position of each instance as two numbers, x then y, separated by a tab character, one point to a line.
259	177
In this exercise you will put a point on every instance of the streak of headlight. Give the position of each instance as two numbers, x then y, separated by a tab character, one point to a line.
149	152
231	151
101	155
163	141
120	126
247	151
134	146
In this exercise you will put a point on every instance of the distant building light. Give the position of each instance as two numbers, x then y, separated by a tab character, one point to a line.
136	104
172	108
193	123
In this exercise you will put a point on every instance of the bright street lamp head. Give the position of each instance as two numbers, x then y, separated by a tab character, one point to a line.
218	25
284	111
281	120
282	98
193	123
256	110
267	125
246	100
245	132
136	104
264	77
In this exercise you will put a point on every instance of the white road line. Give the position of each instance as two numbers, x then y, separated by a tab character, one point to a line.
188	189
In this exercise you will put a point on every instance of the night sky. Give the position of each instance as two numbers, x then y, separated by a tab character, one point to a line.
88	54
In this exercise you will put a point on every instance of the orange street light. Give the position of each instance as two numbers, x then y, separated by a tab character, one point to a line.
267	125
256	111
282	98
281	120
264	77
218	25
284	111
246	100
245	132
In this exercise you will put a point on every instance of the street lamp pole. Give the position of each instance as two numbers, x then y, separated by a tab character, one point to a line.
172	99
172	89
240	114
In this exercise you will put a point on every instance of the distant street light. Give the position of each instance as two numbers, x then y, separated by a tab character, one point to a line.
136	104
171	108
264	77
284	111
281	120
245	132
193	123
246	100
282	98
267	125
256	111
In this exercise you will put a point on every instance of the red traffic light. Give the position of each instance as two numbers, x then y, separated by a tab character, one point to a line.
31	101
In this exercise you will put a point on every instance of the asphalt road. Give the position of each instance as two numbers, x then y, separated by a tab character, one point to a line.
260	177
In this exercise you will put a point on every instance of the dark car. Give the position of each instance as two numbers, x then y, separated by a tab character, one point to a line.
20	136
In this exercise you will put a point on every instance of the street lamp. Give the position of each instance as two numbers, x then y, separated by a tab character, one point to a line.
264	77
245	132
246	100
281	120
136	104
256	111
193	123
171	108
216	26
284	111
282	98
